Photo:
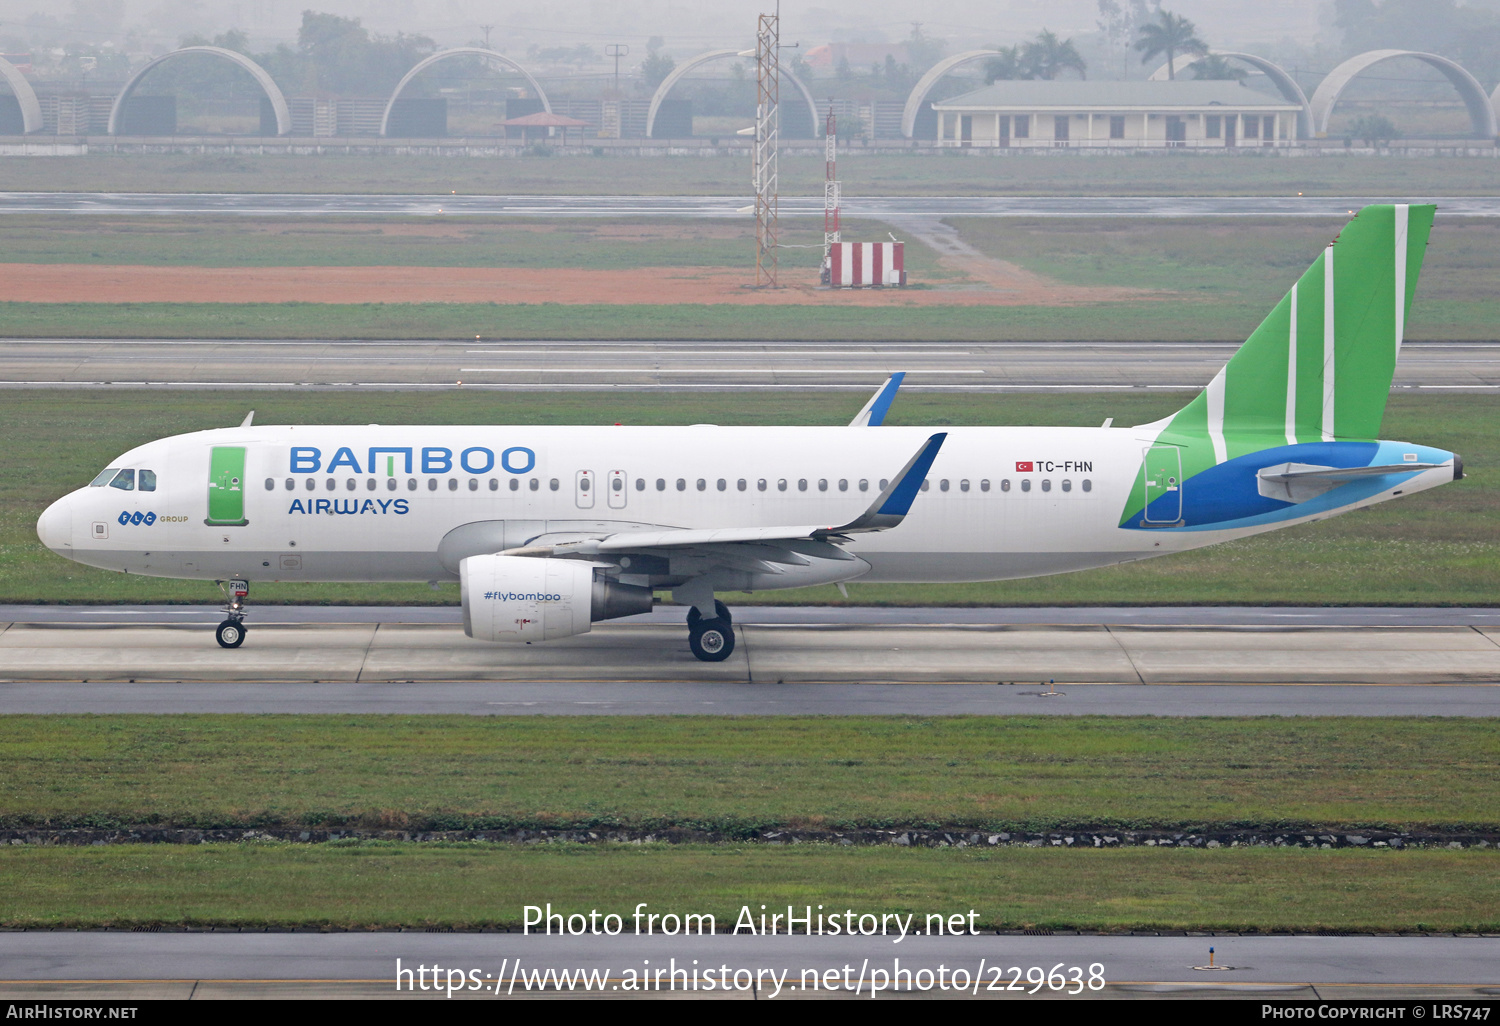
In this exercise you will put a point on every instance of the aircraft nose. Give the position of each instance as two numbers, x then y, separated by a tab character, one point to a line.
55	527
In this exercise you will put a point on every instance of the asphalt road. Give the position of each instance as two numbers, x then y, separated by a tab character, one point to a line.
286	205
1048	367
251	964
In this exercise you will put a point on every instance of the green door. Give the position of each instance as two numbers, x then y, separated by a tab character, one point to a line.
226	486
1163	481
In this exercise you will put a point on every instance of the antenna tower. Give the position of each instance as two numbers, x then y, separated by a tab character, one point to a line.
830	194
767	124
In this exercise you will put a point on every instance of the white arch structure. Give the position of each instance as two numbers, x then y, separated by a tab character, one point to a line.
267	85
460	51
1481	110
682	69
1284	82
31	107
926	82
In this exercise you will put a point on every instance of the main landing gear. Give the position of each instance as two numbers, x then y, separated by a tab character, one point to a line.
712	640
231	633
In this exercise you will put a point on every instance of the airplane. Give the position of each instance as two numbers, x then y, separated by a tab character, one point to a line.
551	529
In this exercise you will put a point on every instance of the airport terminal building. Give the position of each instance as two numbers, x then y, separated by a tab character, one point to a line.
1116	115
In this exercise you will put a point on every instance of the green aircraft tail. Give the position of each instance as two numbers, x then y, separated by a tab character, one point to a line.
1319	367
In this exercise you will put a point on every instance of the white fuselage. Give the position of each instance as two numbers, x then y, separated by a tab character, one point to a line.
358	511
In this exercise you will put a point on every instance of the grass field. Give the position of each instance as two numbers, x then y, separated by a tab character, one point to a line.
734	775
1438	548
974	172
385	886
1220	277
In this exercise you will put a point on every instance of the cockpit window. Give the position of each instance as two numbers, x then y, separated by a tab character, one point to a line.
147	480
124	480
104	478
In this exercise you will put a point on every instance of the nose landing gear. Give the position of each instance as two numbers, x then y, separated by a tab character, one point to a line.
711	639
231	633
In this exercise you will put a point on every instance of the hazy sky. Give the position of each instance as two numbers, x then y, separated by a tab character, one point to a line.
687	25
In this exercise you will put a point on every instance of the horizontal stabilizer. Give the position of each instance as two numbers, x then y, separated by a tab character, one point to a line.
1298	482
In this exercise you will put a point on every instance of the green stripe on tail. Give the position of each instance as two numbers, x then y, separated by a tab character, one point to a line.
1319	367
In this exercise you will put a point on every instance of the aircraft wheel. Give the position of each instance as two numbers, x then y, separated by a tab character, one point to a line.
230	634
694	618
712	640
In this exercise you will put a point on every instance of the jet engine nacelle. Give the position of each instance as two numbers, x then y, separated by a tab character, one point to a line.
520	598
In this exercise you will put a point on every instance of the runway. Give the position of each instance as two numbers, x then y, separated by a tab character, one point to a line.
1041	367
205	965
334	204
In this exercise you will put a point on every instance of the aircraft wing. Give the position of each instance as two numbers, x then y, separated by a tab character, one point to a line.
763	544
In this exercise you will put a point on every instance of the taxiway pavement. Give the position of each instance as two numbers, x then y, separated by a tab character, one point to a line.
1045	367
69	965
361	205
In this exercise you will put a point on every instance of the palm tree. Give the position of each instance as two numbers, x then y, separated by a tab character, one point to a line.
1006	65
1047	57
1171	34
1217	68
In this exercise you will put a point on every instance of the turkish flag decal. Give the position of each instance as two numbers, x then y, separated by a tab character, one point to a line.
1024	468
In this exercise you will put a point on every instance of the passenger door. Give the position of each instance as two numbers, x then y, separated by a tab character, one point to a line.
1163	484
226	486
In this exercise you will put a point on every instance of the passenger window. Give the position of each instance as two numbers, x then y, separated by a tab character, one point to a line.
390	484
370	485
1046	484
760	484
349	485
723	484
617	484
535	483
801	484
270	484
330	484
682	484
640	484
822	484
1026	484
411	484
864	484
432	484
741	484
883	484
453	484
311	484
661	484
290	484
781	484
147	481
515	484
124	480
943	484
843	484
494	484
473	484
926	485
702	484
1067	485
583	484
552	484
1088	485
1005	485
984	485
105	477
